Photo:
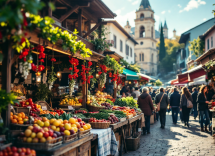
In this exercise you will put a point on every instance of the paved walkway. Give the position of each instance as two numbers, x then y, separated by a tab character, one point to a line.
175	140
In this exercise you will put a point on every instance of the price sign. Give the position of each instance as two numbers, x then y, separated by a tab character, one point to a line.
44	107
11	107
70	107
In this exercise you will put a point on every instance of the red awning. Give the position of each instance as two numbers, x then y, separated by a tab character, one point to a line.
182	77
173	81
184	82
197	74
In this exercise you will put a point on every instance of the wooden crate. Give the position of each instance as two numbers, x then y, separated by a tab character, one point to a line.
72	152
26	110
85	149
43	103
133	144
83	133
70	138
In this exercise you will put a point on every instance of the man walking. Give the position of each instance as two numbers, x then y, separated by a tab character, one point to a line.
194	97
175	104
162	98
136	92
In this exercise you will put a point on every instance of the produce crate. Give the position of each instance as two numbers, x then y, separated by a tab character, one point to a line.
70	138
26	110
20	126
94	108
41	146
100	125
133	143
43	103
82	134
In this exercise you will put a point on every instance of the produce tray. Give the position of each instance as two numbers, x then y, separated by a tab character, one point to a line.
26	110
94	108
100	125
42	146
70	138
82	134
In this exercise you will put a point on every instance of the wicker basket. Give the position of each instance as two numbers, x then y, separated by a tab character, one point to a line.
94	108
70	138
133	144
41	146
43	103
26	110
100	125
82	134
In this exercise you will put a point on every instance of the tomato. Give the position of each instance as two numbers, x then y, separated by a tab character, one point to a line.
24	150
8	149
15	154
1	153
30	100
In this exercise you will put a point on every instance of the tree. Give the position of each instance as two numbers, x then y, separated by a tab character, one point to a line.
162	50
171	46
197	46
158	83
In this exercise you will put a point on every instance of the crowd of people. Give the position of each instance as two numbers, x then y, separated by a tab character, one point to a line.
183	100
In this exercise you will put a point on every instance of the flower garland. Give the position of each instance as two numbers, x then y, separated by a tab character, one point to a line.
90	76
102	73
74	73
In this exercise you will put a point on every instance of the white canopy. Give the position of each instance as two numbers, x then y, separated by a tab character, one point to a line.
199	81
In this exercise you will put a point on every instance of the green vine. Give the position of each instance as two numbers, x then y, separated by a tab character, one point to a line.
5	99
209	65
112	64
52	77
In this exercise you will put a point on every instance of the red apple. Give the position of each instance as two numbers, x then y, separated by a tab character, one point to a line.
79	119
19	150
36	129
51	133
62	129
14	149
46	134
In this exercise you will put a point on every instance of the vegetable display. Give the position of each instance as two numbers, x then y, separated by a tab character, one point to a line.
128	101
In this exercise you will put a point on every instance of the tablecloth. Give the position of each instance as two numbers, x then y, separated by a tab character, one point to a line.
107	143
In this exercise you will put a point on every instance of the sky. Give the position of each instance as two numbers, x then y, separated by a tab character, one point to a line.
181	15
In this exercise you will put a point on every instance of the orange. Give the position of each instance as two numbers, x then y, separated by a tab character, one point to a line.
81	129
23	114
20	115
15	116
11	113
14	121
85	127
65	121
20	122
11	117
72	120
19	119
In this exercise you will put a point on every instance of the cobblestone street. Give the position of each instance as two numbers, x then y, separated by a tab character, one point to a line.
175	140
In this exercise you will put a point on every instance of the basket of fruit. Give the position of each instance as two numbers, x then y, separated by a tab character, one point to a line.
39	138
92	108
74	102
99	124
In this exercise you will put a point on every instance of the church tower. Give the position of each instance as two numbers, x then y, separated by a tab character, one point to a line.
165	30
146	52
127	27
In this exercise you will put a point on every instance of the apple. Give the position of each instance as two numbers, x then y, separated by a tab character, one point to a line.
84	124
41	130
22	154
14	149
46	134
29	140
51	133
79	119
78	125
36	129
42	139
62	133
46	129
30	100
62	129
28	151
15	154
30	127
35	140
28	132
33	135
81	124
19	150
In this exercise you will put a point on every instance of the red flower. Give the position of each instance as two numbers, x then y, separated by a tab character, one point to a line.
100	72
22	40
70	68
42	60
42	55
53	59
90	63
40	48
103	68
73	61
24	59
110	74
41	68
25	34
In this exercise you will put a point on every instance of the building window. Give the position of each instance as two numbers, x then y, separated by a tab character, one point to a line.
127	50
142	57
152	58
142	16
131	52
114	39
152	44
208	44
121	49
212	42
152	34
142	31
141	43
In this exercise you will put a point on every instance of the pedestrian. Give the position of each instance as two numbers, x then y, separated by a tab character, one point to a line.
133	94
183	104
175	104
203	107
153	95
146	105
136	92
162	98
194	97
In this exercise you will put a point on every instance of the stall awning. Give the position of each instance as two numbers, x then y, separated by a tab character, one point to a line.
190	75
130	75
173	81
199	81
146	77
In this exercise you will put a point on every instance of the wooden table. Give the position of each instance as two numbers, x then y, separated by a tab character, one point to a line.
75	148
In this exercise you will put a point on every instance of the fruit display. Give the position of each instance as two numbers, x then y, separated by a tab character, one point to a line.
109	101
128	101
20	118
107	105
113	119
81	110
80	115
95	120
71	101
30	104
14	151
58	111
44	112
126	110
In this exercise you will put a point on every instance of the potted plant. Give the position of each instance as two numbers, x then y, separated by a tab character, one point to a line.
100	45
43	92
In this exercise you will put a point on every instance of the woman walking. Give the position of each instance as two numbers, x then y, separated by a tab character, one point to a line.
183	103
203	107
146	105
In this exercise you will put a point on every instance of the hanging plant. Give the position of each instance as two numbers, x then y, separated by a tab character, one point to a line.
92	83
74	73
52	77
103	74
89	71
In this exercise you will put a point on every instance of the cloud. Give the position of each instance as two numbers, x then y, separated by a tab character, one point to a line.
135	2
179	6
192	4
163	12
204	19
157	18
